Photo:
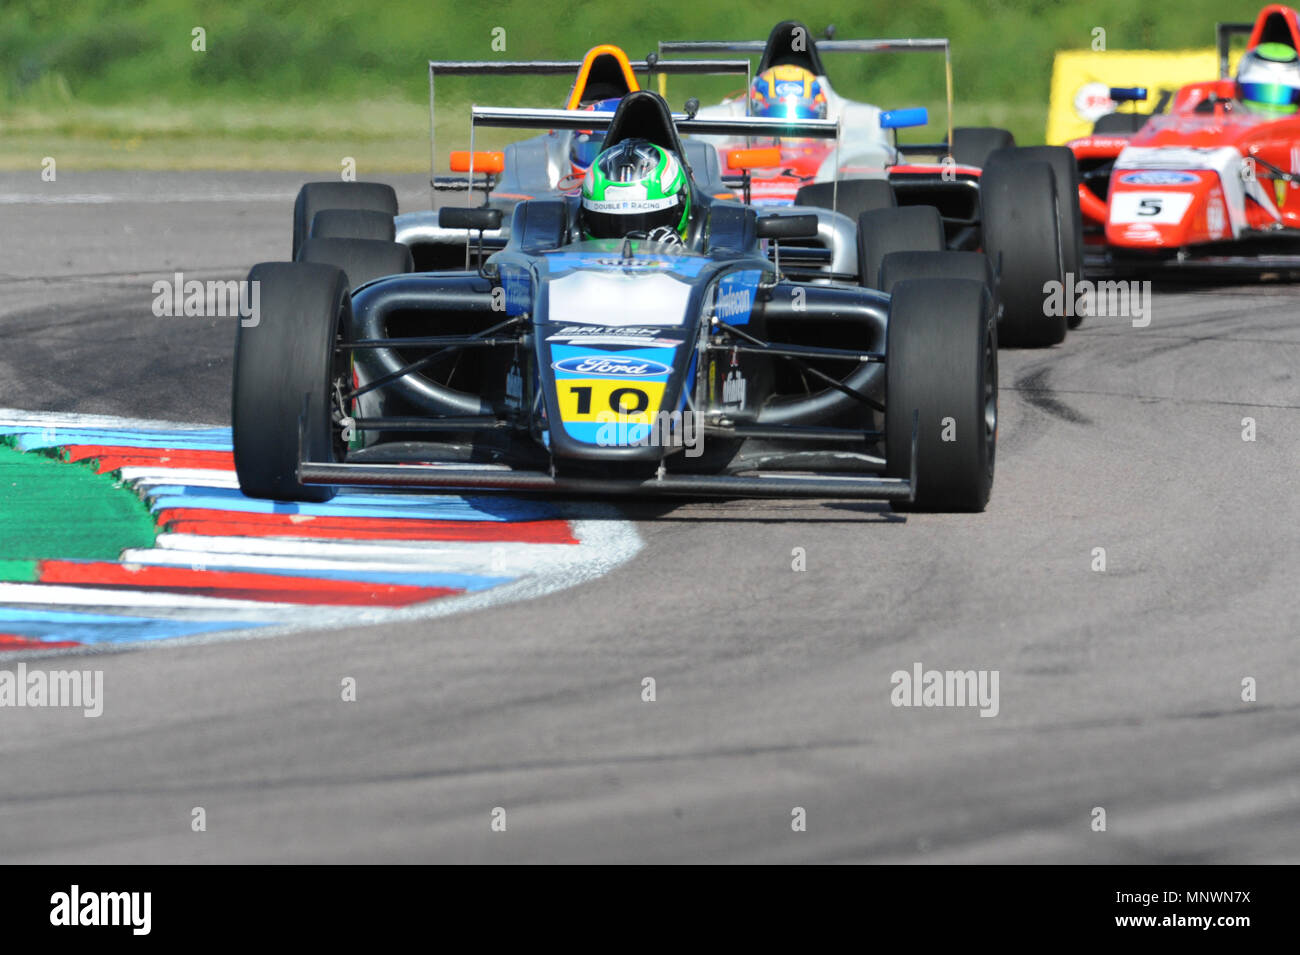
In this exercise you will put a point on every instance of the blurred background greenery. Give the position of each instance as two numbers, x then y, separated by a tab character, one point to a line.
297	84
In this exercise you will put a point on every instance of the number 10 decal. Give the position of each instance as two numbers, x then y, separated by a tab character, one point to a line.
584	399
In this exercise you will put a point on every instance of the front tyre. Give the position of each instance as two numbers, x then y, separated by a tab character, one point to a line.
941	362
288	368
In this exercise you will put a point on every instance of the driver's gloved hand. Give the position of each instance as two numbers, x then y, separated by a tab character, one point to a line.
665	235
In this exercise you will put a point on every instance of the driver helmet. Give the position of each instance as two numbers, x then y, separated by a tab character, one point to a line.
1268	79
585	145
787	92
636	187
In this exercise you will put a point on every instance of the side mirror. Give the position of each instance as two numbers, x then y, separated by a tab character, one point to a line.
767	157
1128	94
904	118
493	162
787	227
476	220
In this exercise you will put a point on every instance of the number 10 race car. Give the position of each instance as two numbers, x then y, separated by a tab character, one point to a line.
635	365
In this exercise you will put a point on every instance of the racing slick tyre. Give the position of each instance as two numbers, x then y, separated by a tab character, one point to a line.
905	229
971	145
853	196
286	367
1120	123
899	266
1022	238
1065	169
353	224
315	196
362	259
941	363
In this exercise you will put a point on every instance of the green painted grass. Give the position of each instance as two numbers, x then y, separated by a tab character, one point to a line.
54	509
18	571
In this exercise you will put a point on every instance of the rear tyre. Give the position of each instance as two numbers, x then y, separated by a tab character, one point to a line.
1022	238
1065	170
971	145
904	229
315	196
353	224
286	368
364	260
941	362
852	196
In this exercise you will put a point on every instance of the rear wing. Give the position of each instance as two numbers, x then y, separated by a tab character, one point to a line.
507	117
650	66
516	117
1223	34
756	47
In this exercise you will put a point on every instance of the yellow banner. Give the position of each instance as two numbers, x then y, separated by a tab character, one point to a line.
1081	81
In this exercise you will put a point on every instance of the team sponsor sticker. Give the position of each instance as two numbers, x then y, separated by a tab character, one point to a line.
629	206
518	287
1158	178
1216	216
612	335
683	265
612	366
733	300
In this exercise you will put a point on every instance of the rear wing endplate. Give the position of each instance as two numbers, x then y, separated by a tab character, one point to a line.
1223	34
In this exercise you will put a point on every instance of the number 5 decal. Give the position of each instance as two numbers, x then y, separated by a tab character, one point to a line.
1150	207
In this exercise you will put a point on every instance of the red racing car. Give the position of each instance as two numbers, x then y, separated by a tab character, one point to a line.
1212	181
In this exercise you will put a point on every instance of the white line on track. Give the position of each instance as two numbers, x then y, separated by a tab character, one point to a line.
47	595
471	557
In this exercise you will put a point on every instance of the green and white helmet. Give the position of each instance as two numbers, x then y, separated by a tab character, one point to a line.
1268	79
635	187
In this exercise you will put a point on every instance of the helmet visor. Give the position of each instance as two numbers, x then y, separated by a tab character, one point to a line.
790	108
1272	96
585	148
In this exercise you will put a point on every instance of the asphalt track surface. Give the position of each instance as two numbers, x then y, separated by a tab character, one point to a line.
1118	689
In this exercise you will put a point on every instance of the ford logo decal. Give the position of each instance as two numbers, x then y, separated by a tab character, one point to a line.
612	366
